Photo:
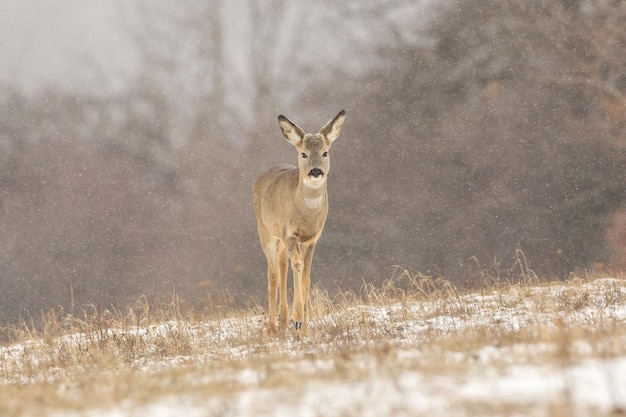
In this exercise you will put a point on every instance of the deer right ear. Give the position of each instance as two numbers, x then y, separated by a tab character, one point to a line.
332	129
291	131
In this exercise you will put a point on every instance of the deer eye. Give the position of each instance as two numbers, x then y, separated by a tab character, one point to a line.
325	154
304	156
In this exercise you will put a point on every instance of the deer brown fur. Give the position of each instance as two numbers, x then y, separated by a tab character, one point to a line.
291	205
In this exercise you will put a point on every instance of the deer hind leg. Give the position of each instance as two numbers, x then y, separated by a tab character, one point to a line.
283	264
272	284
272	288
297	265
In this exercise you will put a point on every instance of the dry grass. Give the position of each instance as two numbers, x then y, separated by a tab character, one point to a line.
413	325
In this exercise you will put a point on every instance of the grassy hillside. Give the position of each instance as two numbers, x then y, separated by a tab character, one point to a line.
415	347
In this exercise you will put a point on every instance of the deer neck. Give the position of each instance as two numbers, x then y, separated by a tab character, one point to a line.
311	197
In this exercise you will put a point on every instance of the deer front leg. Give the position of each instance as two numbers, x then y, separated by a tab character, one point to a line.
306	284
297	265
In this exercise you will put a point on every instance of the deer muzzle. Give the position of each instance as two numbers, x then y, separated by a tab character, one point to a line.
316	173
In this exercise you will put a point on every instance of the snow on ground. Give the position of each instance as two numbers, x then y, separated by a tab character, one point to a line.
593	387
475	354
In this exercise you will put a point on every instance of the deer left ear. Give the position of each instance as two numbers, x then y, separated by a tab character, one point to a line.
291	131
332	129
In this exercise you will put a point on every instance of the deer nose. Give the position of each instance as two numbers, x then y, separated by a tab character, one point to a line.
316	172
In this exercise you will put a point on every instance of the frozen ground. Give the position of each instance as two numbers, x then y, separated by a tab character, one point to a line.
555	350
588	388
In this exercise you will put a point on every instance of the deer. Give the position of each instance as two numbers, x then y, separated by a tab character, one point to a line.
291	206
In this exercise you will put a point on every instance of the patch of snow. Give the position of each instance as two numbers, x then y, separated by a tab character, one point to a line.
307	378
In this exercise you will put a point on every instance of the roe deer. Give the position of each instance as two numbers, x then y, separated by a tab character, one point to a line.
291	204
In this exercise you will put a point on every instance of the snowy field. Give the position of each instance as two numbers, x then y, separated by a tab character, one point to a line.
534	350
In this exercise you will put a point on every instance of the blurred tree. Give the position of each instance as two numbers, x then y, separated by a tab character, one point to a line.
495	137
228	75
488	128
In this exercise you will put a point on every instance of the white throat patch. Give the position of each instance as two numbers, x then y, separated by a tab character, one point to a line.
313	203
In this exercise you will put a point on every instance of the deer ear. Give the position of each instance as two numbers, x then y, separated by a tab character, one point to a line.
332	129
292	132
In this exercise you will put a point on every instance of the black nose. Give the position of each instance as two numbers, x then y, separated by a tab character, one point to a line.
316	172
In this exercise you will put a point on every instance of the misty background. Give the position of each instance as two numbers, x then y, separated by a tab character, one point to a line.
483	139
